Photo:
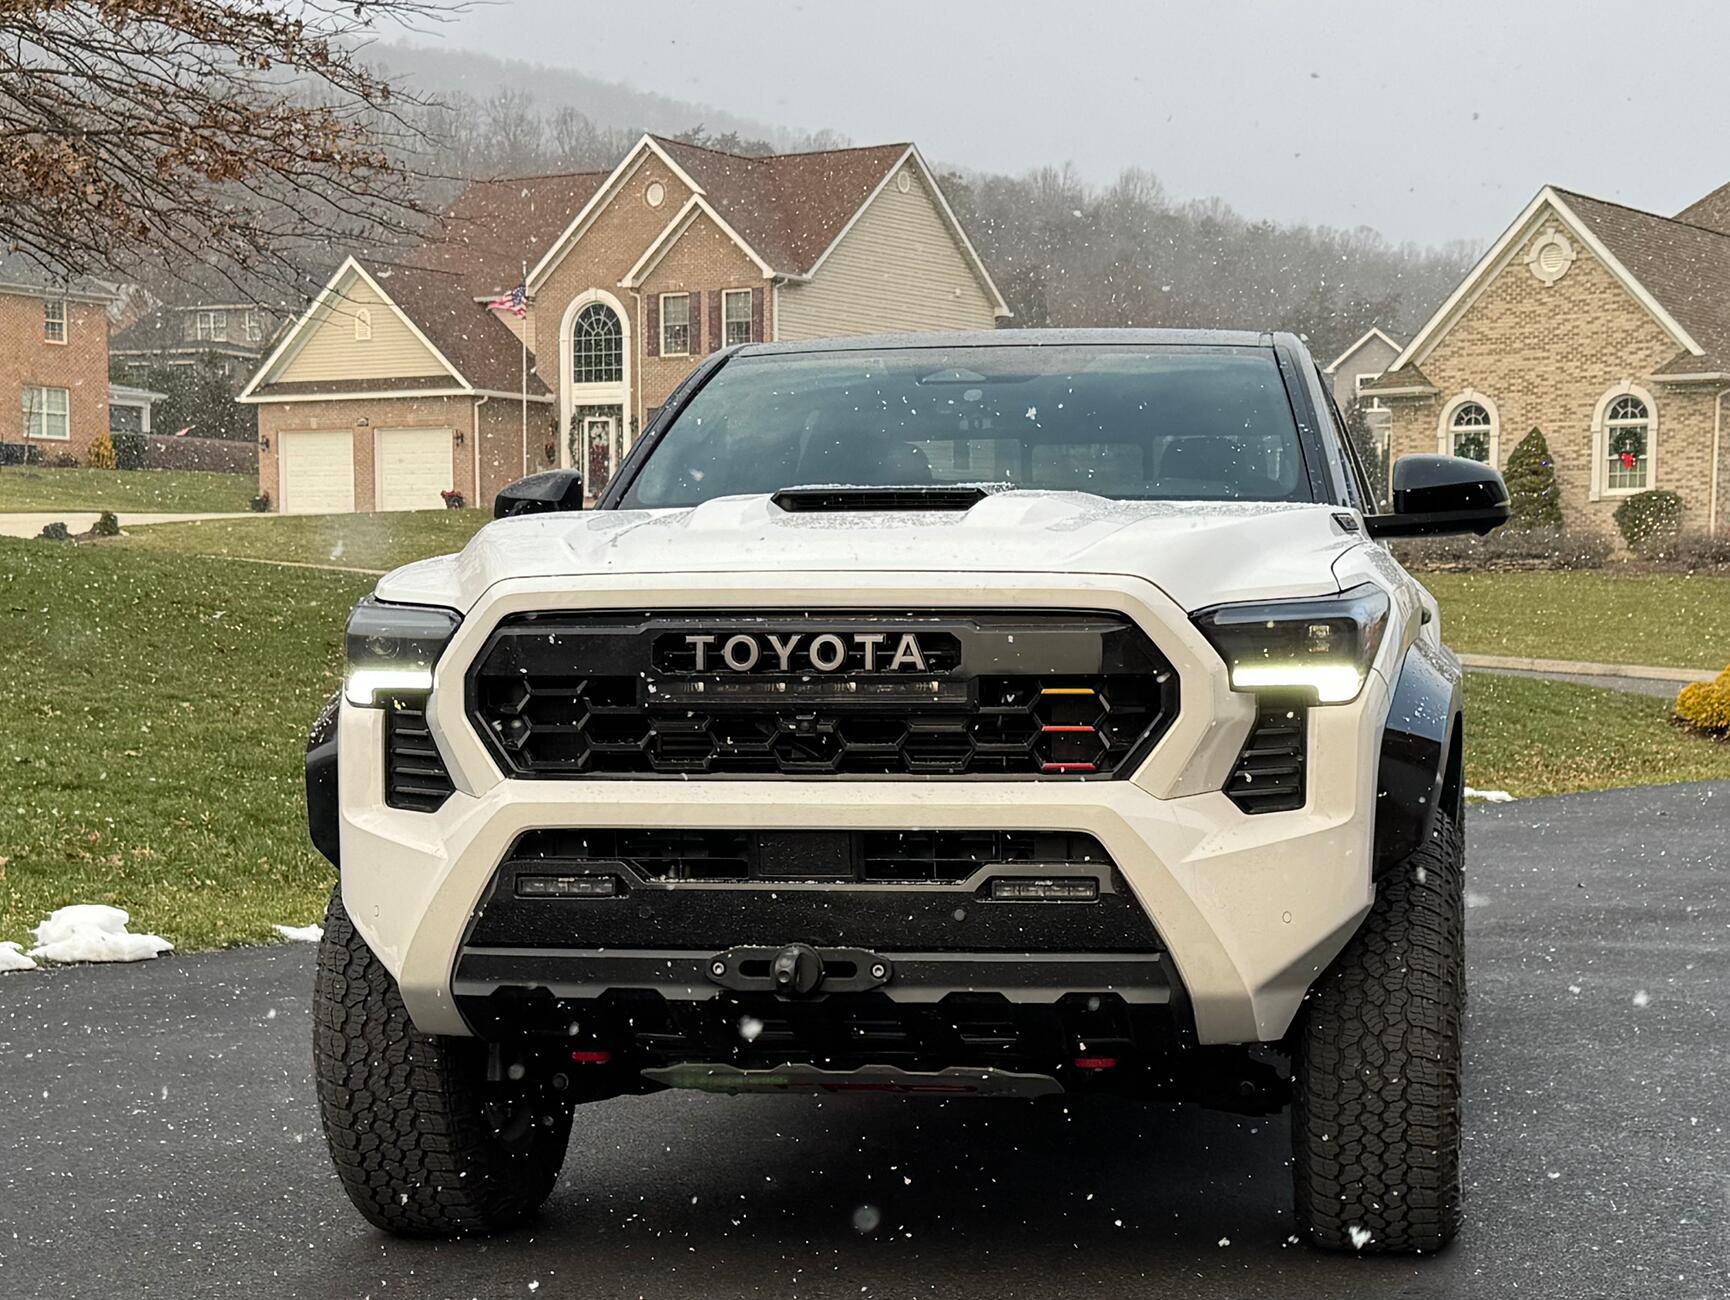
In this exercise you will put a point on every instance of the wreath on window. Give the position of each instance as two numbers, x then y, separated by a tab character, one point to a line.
1627	446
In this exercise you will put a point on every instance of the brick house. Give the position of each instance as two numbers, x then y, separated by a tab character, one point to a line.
53	363
403	380
1607	328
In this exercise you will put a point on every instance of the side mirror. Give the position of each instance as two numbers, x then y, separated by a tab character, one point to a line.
1437	495
557	489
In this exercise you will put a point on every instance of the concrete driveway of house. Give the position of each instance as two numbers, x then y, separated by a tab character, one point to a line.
161	1137
31	523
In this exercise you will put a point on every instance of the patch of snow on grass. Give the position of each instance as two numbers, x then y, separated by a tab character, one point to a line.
1489	796
300	933
94	932
12	957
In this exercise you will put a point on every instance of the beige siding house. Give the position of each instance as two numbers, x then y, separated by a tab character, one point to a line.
550	317
897	267
1606	328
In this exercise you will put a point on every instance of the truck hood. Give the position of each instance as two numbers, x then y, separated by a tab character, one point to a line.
1199	553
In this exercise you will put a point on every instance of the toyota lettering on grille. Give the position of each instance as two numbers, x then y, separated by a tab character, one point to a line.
824	652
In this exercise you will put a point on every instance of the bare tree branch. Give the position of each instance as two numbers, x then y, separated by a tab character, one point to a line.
149	135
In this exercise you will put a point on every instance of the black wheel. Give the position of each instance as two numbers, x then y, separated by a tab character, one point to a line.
1376	1067
423	1143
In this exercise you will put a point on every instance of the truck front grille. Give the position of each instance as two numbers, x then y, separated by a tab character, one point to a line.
819	695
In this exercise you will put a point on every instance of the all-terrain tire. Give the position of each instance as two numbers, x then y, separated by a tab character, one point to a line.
1376	1067
407	1114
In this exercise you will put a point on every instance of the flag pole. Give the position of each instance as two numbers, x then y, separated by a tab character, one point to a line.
523	338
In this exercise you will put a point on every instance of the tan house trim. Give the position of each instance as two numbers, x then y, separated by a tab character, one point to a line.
1000	309
1503	251
1373	332
284	351
609	188
695	206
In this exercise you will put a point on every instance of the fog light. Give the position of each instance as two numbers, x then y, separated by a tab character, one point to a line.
1081	890
567	886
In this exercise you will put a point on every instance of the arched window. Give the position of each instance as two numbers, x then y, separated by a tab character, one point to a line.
1470	432
362	324
597	346
1627	445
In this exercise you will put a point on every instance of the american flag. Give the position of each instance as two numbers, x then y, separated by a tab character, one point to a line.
515	302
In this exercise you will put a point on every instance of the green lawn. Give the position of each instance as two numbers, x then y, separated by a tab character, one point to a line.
1669	619
369	541
155	707
1666	619
155	712
1532	737
168	491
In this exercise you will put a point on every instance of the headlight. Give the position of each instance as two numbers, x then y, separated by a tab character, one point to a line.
1322	647
392	650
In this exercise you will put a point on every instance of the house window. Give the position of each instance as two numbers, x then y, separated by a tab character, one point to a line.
736	308
47	413
597	346
254	327
675	324
1628	445
54	320
362	324
212	326
1470	432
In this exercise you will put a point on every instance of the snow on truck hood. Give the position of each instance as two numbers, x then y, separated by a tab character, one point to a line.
1199	553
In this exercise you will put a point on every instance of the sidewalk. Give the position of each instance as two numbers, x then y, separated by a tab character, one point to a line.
1640	679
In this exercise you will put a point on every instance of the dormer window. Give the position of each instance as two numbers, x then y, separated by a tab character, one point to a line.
210	325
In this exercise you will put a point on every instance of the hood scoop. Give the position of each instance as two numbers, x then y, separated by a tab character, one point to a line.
839	500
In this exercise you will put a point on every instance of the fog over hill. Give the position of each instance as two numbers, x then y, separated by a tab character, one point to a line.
453	73
1063	251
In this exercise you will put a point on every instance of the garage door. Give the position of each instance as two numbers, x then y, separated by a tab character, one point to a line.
414	466
317	472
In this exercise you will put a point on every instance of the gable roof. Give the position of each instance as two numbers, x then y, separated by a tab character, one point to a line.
1374	332
478	351
1712	211
1678	271
494	227
785	210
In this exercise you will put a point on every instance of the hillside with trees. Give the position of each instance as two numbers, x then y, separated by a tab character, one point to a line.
1063	252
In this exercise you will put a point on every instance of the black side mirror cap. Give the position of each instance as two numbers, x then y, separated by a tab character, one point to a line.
557	489
1438	495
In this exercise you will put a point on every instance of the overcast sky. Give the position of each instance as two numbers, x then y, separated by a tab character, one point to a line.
1425	121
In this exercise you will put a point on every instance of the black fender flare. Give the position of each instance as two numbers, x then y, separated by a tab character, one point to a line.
1419	770
321	816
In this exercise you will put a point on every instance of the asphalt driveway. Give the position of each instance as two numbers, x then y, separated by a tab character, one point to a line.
158	1135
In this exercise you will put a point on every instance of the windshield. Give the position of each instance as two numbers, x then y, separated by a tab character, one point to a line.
1131	422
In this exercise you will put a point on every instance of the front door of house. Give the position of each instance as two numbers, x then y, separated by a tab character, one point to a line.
600	441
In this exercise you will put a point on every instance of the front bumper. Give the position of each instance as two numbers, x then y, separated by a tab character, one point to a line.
1248	909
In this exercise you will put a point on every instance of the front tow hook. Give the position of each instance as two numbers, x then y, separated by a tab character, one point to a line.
797	970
